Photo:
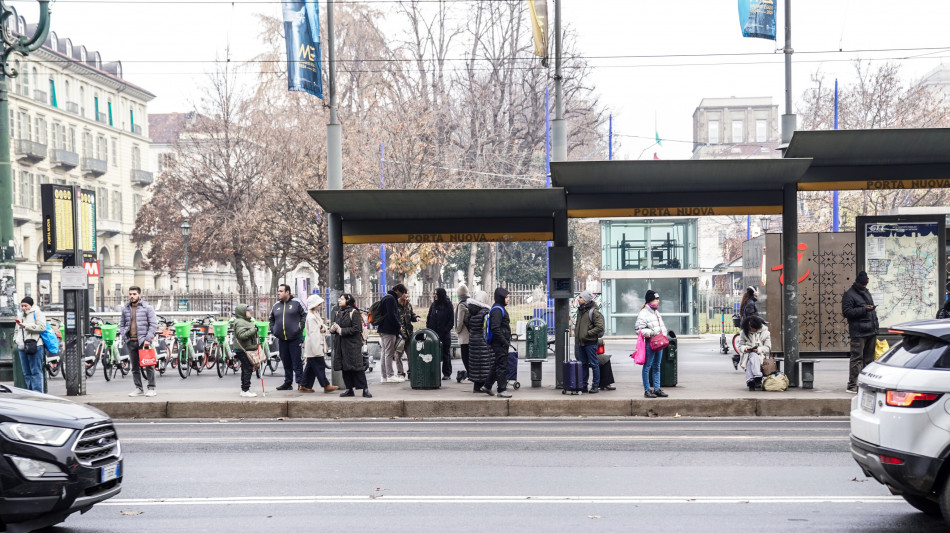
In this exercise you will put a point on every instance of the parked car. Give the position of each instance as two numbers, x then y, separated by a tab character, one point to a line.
900	418
58	458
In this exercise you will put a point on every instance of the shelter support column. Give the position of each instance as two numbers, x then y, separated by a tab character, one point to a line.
562	301
335	243
790	287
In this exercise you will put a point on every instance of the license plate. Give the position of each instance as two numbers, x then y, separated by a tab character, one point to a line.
867	400
110	472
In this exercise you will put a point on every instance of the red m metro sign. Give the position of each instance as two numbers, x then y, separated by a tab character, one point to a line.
92	269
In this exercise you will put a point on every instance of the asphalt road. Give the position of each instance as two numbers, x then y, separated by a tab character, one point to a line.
496	475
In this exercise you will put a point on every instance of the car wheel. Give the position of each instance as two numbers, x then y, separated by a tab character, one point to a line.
944	499
923	505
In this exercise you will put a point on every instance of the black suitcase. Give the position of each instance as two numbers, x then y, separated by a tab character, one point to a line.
573	377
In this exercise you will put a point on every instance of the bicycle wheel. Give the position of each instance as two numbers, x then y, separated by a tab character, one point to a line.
107	370
273	363
216	354
212	359
184	366
91	364
735	342
125	366
51	368
162	363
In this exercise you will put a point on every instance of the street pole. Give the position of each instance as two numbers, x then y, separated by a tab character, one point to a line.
562	306
334	182
21	45
186	233
788	119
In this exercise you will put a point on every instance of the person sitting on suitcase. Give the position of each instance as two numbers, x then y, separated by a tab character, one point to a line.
590	325
499	326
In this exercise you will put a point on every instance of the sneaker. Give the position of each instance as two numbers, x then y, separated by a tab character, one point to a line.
248	394
851	390
136	392
385	380
504	394
150	393
649	394
593	390
608	387
446	378
397	380
487	391
660	394
286	386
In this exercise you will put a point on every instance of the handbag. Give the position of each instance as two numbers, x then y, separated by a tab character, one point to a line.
29	346
639	354
147	357
600	346
256	356
769	366
658	342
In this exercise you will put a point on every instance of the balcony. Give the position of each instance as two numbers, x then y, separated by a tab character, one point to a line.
30	150
64	158
102	117
94	167
72	107
142	178
108	227
23	215
40	96
136	129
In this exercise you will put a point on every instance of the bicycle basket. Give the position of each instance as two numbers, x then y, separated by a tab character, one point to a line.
263	328
735	321
220	329
183	330
109	331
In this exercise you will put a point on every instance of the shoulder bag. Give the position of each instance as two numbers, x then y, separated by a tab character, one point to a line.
658	342
769	366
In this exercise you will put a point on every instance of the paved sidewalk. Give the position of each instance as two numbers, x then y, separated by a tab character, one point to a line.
708	386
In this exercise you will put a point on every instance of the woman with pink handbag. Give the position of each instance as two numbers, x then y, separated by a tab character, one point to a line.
650	325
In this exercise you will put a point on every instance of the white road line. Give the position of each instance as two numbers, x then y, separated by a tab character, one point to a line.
383	498
501	438
404	422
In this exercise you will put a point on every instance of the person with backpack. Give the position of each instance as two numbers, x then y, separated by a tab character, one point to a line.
287	321
347	330
30	322
406	318
499	341
461	327
385	316
137	328
441	320
479	354
590	327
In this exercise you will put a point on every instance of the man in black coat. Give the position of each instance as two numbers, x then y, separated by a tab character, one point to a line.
500	326
288	318
858	307
390	327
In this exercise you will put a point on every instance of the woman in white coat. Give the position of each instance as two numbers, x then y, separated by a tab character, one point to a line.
650	324
315	348
755	343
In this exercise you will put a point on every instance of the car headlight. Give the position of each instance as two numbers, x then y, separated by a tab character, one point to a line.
36	434
36	470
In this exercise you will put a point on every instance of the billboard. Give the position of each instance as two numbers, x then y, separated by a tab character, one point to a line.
58	220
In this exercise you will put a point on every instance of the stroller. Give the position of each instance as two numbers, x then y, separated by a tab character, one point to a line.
512	373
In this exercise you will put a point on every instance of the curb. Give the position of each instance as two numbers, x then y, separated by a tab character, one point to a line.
488	408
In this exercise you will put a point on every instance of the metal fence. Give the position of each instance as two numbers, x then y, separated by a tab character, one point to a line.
715	311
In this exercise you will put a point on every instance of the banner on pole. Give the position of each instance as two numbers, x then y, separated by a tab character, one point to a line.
757	18
302	36
539	26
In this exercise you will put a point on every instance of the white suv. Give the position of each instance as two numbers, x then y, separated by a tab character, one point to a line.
900	419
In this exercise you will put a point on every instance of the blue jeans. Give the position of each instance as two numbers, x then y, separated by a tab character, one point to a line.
651	366
32	366
587	355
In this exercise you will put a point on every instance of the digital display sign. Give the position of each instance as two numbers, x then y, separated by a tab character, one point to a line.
58	219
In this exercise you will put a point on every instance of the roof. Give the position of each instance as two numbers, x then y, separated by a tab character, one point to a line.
873	159
165	128
672	188
443	215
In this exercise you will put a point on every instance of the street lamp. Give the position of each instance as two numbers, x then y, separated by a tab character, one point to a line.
186	233
12	43
765	222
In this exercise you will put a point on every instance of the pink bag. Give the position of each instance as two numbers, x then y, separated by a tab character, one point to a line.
639	355
658	342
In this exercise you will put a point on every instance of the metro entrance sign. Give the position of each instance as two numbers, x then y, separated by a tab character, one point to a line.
92	268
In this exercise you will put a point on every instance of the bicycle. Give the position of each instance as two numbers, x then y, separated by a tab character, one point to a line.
52	361
164	337
206	330
272	362
112	357
187	346
221	349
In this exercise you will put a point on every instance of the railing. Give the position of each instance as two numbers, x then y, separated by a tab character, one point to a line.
712	305
40	96
142	178
96	167
64	158
31	150
136	129
102	117
72	107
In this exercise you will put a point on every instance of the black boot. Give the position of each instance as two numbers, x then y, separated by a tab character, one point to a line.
758	383
366	393
751	384
347	392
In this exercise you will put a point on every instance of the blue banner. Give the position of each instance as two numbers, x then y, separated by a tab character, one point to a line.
757	18
302	35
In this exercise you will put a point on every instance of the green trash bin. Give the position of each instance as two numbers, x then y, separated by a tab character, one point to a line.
536	340
425	360
668	363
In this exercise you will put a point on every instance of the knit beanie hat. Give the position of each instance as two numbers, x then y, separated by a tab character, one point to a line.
650	296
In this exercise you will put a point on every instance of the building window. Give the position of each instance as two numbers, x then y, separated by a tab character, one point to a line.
52	93
82	54
102	149
115	152
165	161
27	190
110	112
16	80
53	41
117	205
82	98
42	136
136	158
72	138
102	203
737	131
713	132
761	135
86	144
56	136
23	126
136	205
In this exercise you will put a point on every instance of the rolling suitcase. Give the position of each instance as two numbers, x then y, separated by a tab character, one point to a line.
573	373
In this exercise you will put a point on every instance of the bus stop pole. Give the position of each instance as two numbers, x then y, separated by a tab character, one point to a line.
790	287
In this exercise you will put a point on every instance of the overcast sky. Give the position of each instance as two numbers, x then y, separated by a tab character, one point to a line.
167	47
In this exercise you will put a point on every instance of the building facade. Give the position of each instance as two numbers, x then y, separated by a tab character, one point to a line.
74	120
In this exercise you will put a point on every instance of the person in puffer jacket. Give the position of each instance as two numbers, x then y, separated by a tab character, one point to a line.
479	354
649	324
500	325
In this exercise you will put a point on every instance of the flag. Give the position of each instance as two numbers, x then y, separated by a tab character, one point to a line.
757	18
539	26
302	37
656	157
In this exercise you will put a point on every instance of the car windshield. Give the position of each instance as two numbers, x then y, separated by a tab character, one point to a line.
918	351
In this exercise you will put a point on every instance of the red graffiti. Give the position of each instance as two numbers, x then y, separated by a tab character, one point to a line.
781	279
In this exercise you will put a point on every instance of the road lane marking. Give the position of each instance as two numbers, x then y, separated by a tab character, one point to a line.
382	498
500	438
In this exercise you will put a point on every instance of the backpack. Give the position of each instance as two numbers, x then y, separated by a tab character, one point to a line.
377	312
363	324
777	382
488	335
50	340
590	319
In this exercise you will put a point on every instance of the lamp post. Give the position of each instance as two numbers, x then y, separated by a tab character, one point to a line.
765	222
186	233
